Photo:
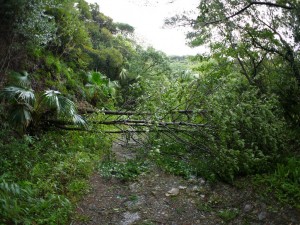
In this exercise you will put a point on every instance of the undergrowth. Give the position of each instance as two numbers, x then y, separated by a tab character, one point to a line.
42	177
284	182
127	171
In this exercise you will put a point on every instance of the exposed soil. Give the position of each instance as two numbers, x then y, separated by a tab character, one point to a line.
160	198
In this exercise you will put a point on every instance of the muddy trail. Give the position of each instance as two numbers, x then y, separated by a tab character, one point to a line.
156	197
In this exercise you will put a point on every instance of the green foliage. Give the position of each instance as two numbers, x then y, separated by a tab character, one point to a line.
31	20
127	171
263	44
17	157
100	90
284	183
24	108
204	206
42	177
20	204
250	133
124	29
244	96
244	130
173	158
228	215
59	174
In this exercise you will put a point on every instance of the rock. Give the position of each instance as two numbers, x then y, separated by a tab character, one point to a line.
157	188
130	218
262	216
247	208
182	187
201	181
172	192
196	188
192	180
134	187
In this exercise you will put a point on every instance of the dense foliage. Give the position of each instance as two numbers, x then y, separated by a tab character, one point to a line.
233	112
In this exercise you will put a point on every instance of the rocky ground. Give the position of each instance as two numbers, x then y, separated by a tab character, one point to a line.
159	198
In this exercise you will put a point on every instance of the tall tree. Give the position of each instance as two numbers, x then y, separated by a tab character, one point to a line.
262	37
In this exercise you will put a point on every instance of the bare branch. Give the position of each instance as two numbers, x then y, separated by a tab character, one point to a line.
131	113
147	123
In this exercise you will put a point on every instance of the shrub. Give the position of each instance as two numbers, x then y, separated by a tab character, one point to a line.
249	131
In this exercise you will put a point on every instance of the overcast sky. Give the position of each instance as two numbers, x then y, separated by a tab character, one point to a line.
147	17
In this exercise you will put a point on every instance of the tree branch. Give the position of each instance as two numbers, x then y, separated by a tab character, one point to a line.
131	113
147	123
269	4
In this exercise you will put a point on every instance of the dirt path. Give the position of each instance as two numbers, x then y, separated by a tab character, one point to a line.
160	198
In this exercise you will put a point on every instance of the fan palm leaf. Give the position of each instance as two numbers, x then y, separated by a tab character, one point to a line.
63	106
67	107
50	100
96	78
18	94
112	87
20	115
19	80
24	109
68	110
79	120
123	74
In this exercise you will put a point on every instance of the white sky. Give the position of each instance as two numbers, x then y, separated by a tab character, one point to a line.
147	17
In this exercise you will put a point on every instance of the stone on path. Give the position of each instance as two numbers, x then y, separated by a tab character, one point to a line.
172	192
130	218
262	216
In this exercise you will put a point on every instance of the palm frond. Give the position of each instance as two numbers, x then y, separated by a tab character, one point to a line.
63	106
20	115
50	100
67	107
68	110
97	78
112	87
113	84
19	79
123	74
12	93
79	120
